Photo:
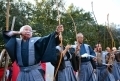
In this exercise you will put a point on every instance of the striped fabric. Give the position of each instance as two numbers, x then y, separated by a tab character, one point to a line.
116	70
67	74
103	74
30	73
86	72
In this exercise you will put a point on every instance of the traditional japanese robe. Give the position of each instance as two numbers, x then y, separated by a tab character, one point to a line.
116	70
102	72
86	70
65	72
116	66
28	54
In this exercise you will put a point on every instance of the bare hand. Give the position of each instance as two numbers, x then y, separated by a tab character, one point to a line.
19	32
78	47
68	47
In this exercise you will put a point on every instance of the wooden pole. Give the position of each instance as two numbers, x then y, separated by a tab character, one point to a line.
104	36
6	54
1	56
7	15
97	29
6	66
109	30
61	43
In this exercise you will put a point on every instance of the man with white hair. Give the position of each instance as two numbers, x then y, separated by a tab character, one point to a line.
29	51
86	53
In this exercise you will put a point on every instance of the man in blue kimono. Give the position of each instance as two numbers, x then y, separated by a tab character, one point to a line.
65	71
29	51
86	54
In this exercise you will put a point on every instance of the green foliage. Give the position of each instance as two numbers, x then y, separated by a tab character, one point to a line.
42	17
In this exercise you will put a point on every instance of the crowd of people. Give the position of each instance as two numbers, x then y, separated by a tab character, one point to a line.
91	64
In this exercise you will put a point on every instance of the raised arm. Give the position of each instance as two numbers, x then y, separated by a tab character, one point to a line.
46	45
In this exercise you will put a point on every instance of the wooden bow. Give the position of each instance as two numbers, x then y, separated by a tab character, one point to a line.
110	60
4	52
61	43
110	32
75	29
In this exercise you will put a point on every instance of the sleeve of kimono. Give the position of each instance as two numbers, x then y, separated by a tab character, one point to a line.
70	53
74	60
92	53
7	35
10	44
45	48
93	63
55	63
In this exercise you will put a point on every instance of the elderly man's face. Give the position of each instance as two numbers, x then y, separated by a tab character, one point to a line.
27	32
80	39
